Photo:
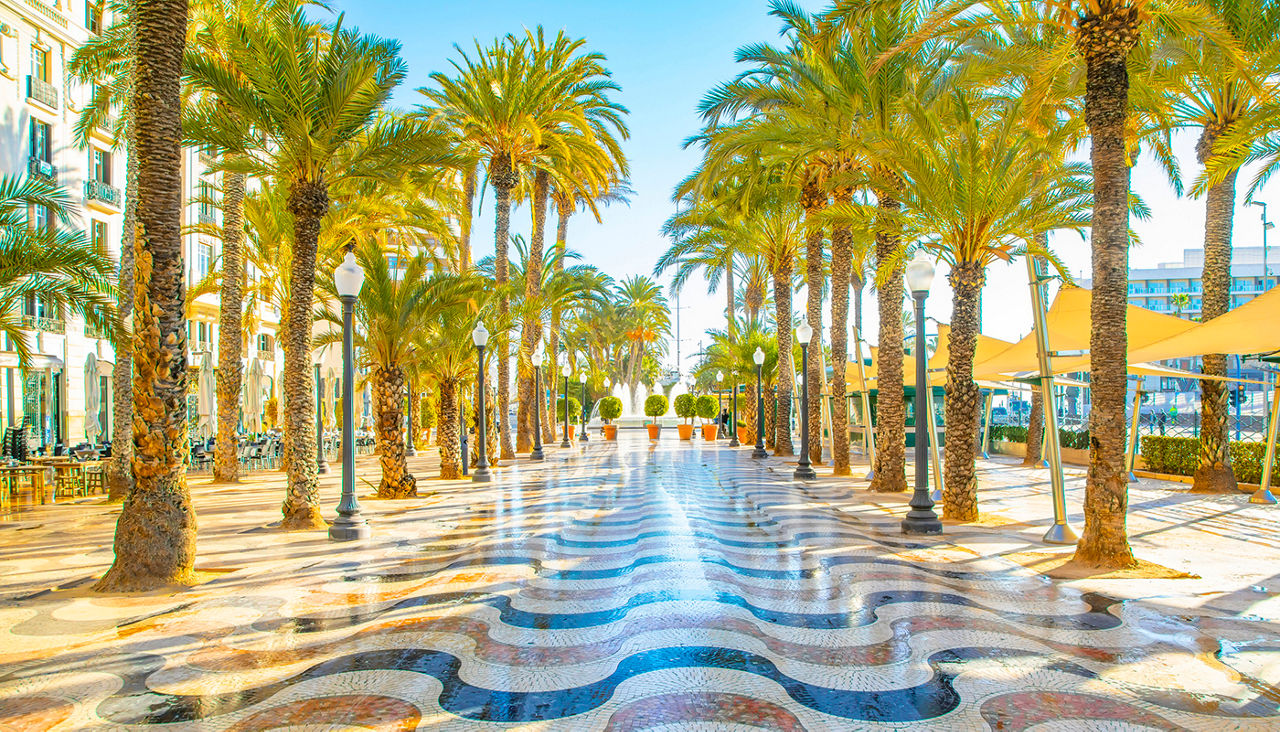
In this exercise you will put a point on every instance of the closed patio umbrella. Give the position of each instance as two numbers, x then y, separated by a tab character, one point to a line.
253	397
205	393
92	399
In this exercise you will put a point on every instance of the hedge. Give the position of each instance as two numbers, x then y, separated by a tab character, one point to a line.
1181	456
1070	439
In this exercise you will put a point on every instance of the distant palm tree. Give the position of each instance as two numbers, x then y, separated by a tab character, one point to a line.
646	318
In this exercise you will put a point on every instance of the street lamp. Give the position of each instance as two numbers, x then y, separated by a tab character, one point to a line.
538	354
565	370
322	465
921	519
350	524
1266	270
480	337
759	452
582	379
804	470
733	426
719	404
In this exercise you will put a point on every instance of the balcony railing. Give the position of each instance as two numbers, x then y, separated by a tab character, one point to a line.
95	190
206	157
206	216
267	355
42	91
44	325
39	168
92	332
48	12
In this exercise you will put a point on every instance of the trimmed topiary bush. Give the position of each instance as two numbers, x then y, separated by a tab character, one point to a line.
575	410
610	408
655	406
708	407
685	407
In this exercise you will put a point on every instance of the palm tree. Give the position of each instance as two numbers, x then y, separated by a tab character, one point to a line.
155	538
647	319
298	132
450	363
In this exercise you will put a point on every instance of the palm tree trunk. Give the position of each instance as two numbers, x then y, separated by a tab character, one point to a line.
564	209
891	416
531	331
226	466
1105	41
388	401
857	282
785	373
464	224
1035	432
308	202
120	469
770	417
155	540
447	433
749	411
964	400
1215	474
841	263
502	350
814	201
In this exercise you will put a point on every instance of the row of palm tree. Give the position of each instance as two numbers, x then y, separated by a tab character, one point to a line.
879	128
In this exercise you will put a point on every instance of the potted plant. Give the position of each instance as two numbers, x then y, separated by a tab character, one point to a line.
610	409
742	432
685	410
575	408
708	408
655	406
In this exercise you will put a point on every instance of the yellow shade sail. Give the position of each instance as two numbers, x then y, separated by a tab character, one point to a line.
1254	327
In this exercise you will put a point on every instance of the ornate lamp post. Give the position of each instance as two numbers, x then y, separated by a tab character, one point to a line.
538	353
480	337
719	403
804	470
565	370
733	426
582	379
350	524
759	452
921	519
322	465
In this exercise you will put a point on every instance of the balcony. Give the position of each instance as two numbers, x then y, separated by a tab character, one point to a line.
267	355
44	325
92	332
42	169
48	12
206	157
95	190
206	216
42	91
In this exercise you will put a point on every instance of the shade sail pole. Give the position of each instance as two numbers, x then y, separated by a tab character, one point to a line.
1132	456
986	426
1263	494
1061	532
868	432
933	445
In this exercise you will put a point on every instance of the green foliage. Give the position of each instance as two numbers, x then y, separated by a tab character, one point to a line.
685	408
1181	456
707	407
610	407
426	412
575	410
271	411
655	406
1070	439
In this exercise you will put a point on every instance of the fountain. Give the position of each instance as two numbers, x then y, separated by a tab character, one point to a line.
633	412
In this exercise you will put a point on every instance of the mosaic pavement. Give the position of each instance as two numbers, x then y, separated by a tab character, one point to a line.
627	587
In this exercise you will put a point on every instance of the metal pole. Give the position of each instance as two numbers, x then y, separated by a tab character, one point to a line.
1061	532
350	524
1239	388
482	474
733	428
1131	457
409	449
804	471
565	442
584	412
1263	494
933	444
537	416
868	429
322	466
921	519
759	451
719	411
462	422
986	427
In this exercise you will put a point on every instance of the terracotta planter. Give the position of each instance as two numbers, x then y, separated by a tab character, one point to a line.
742	435
709	432
653	430
572	432
685	430
611	432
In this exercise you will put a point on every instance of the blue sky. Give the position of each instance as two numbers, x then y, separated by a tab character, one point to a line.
666	56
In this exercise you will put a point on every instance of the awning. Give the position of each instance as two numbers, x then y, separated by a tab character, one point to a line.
39	361
1254	327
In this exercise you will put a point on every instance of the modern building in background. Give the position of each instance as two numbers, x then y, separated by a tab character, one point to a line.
39	105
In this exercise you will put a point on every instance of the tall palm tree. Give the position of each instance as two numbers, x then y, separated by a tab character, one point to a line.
648	320
706	237
298	132
450	363
155	538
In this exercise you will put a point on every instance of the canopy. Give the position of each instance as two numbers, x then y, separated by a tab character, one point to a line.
1248	329
92	398
205	392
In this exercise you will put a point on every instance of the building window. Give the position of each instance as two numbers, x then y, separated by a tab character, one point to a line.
40	63
93	17
207	200
204	259
42	218
98	233
41	141
265	344
100	166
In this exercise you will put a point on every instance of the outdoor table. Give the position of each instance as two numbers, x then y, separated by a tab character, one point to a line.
68	477
11	475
